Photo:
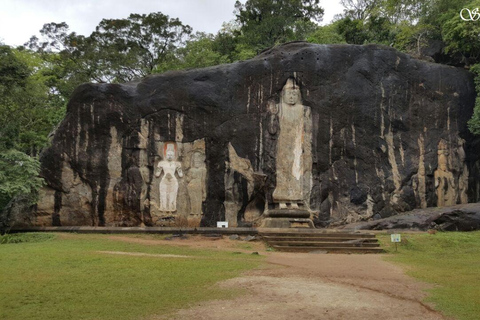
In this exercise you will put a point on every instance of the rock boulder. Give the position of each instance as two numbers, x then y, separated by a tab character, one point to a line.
383	134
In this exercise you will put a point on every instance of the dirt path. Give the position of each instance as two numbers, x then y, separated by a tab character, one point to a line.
305	286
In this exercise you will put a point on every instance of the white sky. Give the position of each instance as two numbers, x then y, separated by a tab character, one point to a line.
20	19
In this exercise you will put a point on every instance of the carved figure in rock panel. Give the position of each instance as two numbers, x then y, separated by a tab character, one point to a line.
169	183
444	180
196	177
293	161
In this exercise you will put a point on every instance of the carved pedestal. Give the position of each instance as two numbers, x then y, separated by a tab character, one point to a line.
288	218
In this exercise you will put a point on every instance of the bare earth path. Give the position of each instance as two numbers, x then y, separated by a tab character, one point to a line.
312	286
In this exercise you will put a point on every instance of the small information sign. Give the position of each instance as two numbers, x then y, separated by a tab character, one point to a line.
222	224
396	237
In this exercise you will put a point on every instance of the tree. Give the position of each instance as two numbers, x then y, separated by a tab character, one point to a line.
474	122
327	35
463	37
412	39
264	23
352	30
360	9
137	46
18	176
25	121
28	108
200	52
119	50
68	58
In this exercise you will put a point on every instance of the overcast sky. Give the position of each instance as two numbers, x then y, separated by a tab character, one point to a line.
20	19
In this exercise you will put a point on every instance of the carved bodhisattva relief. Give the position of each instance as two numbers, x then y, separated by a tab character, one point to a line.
444	180
463	179
169	183
289	125
196	183
293	161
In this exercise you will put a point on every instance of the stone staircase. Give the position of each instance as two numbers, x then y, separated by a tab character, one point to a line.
311	240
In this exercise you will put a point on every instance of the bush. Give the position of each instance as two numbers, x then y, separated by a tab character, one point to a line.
26	237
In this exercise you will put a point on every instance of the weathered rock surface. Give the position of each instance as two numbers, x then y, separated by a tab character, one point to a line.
464	217
381	122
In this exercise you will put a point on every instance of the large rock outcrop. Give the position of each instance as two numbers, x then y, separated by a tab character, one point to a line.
462	217
377	133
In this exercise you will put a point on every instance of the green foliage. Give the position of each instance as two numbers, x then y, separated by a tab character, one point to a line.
373	30
200	52
412	39
26	117
68	58
225	43
119	50
474	122
13	73
327	35
450	261
18	176
134	47
436	13
26	238
73	277
29	110
462	37
265	23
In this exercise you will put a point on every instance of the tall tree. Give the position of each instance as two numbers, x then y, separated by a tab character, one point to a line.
264	23
137	46
25	121
119	50
200	52
360	9
326	35
69	58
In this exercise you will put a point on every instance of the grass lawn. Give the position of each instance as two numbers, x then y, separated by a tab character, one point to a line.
65	277
450	261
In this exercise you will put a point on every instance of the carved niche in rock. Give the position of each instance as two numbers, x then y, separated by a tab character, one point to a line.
244	191
131	193
181	198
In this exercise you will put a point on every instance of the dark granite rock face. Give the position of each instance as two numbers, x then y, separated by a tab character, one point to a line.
381	122
465	217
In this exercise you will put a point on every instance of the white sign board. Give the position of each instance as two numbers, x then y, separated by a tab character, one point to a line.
396	237
222	224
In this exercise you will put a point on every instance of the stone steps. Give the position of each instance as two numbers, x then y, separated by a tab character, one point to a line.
329	249
326	239
320	236
346	244
320	240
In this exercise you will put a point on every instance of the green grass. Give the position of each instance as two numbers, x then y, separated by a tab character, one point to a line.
67	278
450	261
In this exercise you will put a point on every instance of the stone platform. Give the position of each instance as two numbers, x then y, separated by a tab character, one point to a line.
132	230
288	218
